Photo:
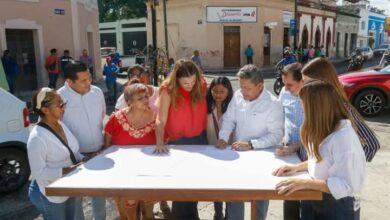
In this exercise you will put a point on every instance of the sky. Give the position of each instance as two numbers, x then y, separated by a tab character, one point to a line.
381	4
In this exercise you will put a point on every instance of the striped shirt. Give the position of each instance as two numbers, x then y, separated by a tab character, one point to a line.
293	119
367	136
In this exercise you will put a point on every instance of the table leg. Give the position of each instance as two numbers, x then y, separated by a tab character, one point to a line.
253	210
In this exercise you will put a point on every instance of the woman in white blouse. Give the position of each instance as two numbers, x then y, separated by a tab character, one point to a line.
52	151
336	163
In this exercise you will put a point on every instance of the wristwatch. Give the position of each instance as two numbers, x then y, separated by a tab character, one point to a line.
250	145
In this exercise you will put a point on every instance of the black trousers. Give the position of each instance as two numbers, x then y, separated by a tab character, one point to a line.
291	210
331	209
187	210
249	60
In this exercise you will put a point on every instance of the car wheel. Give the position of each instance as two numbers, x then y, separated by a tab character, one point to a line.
370	103
14	169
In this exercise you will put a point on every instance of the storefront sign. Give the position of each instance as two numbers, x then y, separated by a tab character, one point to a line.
231	14
59	11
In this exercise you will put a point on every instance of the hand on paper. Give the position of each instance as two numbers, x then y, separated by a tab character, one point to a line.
161	149
241	146
288	186
221	144
284	151
286	170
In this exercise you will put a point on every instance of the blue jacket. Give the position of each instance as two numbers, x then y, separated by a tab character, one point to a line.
249	52
289	60
110	72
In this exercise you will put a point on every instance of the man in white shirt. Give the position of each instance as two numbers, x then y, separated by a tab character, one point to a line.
84	114
256	118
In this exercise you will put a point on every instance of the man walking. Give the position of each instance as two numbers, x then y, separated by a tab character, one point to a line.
84	116
249	54
52	67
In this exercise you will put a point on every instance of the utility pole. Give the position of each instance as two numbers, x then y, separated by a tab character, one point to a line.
296	22
166	27
154	38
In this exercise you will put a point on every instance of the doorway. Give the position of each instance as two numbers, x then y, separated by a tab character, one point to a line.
328	42
20	43
305	37
346	45
232	48
317	39
267	46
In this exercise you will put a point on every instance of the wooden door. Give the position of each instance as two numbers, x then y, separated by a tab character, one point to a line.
232	47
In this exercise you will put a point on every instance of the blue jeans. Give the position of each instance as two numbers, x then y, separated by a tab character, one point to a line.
11	82
112	90
236	210
53	80
330	208
98	208
51	210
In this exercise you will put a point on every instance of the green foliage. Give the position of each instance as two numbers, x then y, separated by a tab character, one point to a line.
112	10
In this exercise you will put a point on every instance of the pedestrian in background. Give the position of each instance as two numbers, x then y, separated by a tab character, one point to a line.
249	54
11	70
196	59
109	71
52	67
65	59
87	60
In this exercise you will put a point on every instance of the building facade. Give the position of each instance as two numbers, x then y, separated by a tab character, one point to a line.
125	35
347	28
376	28
31	28
317	23
221	30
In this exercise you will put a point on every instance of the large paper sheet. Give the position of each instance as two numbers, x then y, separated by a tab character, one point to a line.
186	167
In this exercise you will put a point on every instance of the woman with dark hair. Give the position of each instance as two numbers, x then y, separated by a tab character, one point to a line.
53	151
323	69
218	97
336	162
182	118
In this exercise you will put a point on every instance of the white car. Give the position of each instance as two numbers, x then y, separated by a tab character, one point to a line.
366	51
14	132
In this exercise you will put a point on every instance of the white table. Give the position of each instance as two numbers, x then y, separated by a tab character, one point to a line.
188	173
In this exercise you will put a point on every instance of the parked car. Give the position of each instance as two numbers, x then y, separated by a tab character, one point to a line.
378	52
368	91
366	51
14	132
106	51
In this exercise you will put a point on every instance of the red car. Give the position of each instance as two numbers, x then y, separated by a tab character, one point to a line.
368	91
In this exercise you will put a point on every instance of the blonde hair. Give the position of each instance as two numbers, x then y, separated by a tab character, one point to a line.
134	89
184	68
323	108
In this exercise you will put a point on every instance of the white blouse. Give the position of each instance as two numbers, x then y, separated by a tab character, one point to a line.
343	163
47	156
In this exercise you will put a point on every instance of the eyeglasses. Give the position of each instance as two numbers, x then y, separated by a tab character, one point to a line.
61	105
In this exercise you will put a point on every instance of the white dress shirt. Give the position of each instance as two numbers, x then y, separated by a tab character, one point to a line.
260	121
84	116
47	156
343	163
